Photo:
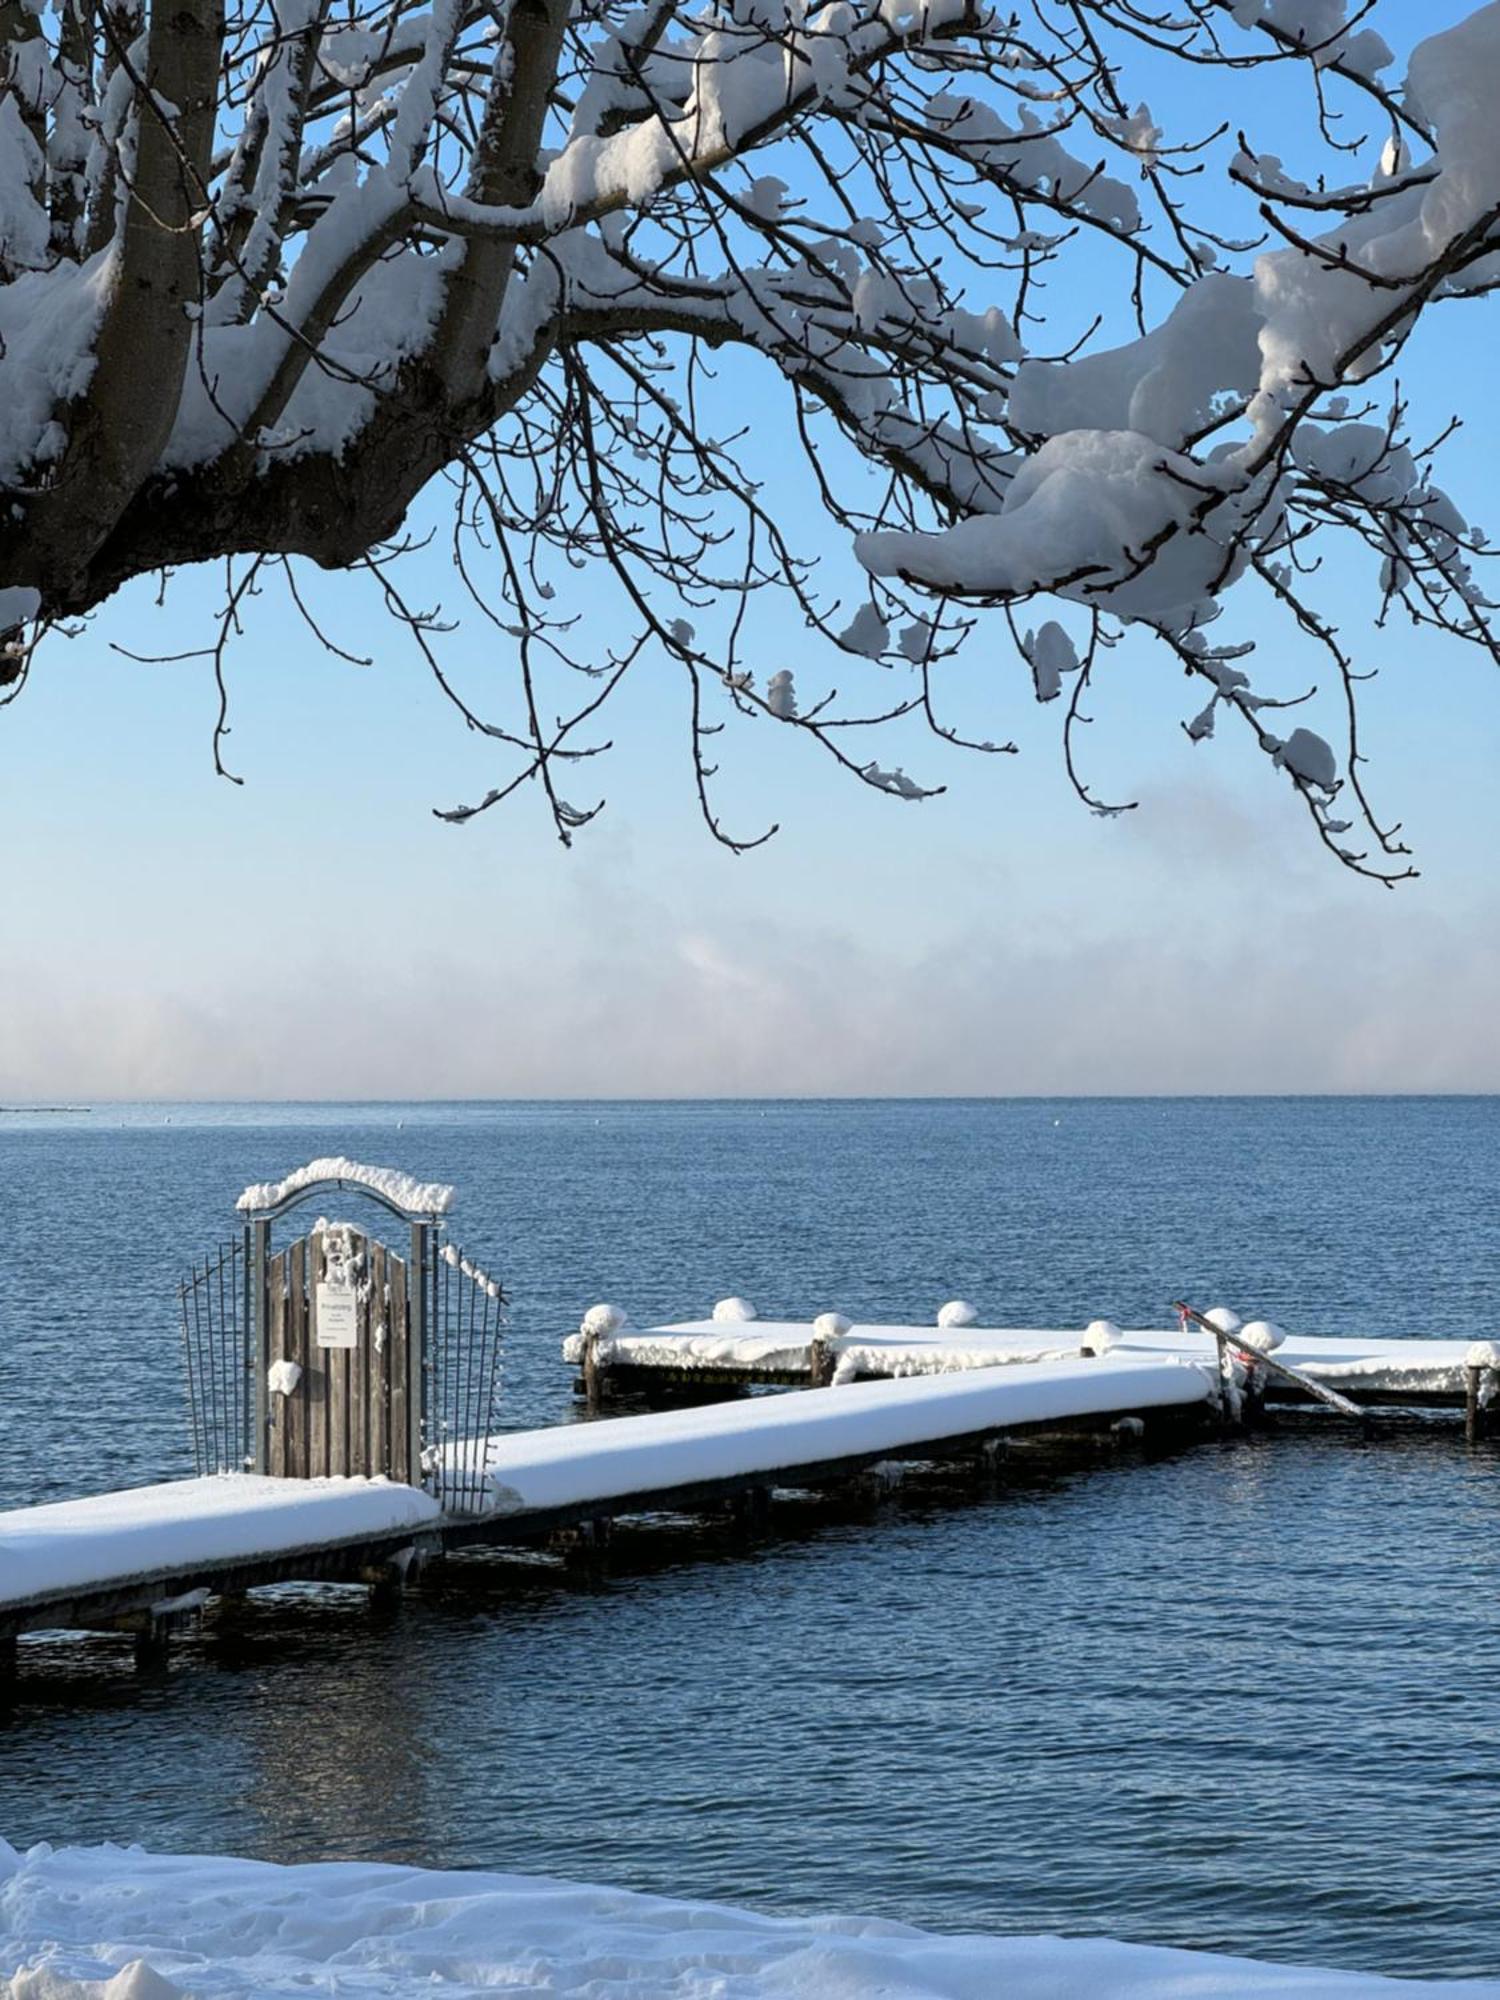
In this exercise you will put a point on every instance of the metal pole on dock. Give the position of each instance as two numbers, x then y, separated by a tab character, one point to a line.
1319	1392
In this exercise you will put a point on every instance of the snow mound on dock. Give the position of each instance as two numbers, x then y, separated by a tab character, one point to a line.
419	1197
1261	1336
109	1923
603	1320
733	1312
957	1312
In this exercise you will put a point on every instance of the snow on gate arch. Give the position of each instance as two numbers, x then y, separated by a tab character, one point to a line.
398	1190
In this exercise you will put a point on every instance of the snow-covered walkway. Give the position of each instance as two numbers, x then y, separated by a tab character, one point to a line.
161	1538
571	1463
73	1546
108	1923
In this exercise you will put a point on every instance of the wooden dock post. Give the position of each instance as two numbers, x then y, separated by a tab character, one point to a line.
598	1328
1473	1410
152	1642
1231	1410
595	1371
1482	1361
827	1330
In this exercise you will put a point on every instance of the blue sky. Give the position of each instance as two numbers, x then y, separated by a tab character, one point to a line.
316	932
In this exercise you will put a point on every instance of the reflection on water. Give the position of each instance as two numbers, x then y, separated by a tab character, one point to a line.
1239	1697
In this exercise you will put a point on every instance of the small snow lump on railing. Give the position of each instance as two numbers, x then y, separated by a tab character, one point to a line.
491	1287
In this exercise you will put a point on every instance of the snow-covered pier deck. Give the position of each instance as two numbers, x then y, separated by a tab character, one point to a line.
734	1350
141	1560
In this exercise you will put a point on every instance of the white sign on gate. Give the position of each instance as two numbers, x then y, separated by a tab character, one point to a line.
337	1316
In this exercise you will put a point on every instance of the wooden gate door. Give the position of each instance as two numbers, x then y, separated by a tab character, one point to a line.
340	1352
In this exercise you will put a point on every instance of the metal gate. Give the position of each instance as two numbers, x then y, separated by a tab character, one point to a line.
469	1319
337	1355
221	1399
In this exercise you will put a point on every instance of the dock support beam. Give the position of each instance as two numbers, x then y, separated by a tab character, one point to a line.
152	1643
586	1542
820	1363
750	1511
388	1579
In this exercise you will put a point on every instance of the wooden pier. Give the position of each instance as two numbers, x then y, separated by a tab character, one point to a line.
140	1561
343	1403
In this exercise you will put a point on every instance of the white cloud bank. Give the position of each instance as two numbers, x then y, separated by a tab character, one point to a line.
1357	995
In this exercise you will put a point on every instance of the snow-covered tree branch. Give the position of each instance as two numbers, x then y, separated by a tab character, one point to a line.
267	274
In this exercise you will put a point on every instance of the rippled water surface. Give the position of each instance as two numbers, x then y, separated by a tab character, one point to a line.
1242	1696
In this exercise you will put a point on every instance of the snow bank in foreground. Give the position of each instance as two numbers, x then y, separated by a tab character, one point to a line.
105	1923
85	1923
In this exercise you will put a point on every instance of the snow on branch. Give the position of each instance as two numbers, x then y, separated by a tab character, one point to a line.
266	278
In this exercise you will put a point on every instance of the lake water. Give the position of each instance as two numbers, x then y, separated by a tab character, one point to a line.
1242	1697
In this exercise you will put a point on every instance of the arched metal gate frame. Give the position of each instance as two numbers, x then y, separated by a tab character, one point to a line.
448	1353
424	1226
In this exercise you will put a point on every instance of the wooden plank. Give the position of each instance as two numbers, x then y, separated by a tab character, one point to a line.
280	1407
314	1385
317	1363
296	1350
359	1367
378	1387
398	1357
337	1360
